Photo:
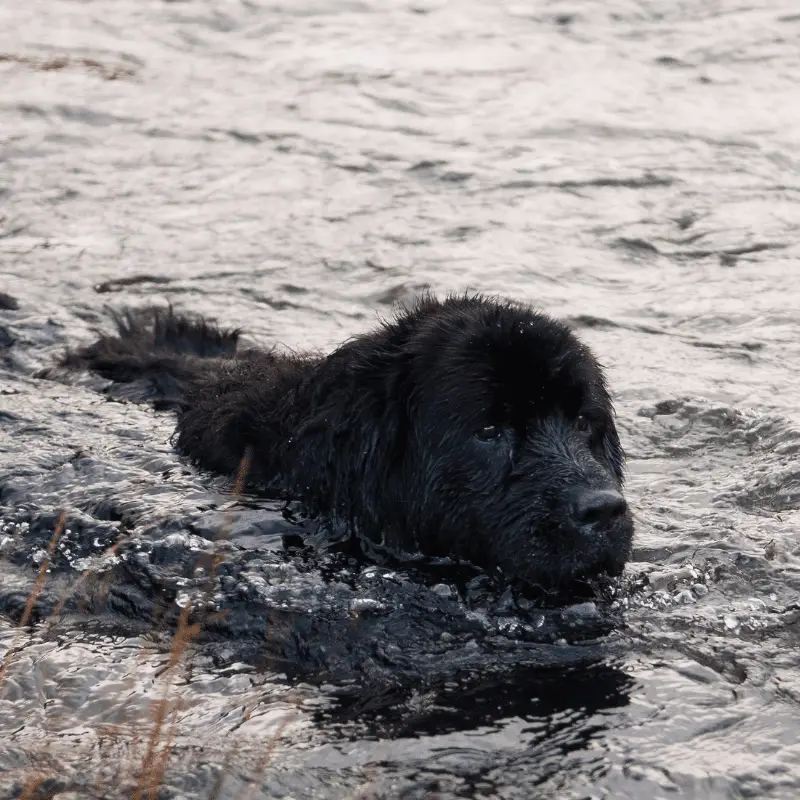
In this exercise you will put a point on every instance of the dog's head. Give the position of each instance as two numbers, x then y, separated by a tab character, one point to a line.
488	435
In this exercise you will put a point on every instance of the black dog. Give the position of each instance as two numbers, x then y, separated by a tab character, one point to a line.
470	427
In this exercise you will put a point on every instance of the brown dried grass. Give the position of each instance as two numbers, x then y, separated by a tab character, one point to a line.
165	718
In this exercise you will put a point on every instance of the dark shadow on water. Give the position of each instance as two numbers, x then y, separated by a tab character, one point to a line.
541	695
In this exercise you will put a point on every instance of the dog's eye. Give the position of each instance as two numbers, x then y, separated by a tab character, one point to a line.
488	432
583	424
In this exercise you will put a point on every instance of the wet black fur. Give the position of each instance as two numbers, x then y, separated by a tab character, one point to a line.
381	433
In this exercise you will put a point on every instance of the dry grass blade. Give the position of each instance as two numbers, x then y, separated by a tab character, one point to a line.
35	592
182	636
31	785
146	773
84	576
266	757
42	576
223	773
152	770
241	475
161	764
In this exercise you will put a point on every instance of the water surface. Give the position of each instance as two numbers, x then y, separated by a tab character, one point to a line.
296	168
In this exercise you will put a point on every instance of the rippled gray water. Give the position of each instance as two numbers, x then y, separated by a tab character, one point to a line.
295	168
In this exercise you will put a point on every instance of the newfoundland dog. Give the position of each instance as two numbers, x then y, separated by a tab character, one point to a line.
469	427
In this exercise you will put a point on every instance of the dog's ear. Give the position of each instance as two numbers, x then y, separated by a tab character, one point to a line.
349	448
613	453
610	445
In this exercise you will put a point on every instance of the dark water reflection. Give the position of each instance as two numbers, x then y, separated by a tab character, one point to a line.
295	168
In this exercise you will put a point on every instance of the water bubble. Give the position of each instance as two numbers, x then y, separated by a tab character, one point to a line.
756	604
362	605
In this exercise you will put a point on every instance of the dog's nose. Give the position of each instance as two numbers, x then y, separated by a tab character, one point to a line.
597	505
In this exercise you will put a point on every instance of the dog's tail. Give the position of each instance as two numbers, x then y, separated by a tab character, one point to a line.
156	353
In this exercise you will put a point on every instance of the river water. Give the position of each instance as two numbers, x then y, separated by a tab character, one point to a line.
294	168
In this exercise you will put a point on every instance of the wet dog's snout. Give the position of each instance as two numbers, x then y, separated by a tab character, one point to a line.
597	505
